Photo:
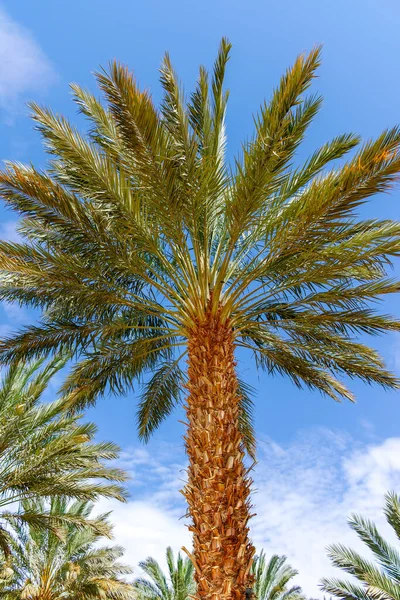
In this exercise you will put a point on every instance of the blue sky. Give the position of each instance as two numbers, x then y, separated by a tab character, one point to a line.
308	439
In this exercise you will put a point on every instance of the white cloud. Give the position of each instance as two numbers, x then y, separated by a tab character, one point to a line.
306	495
304	492
24	67
152	519
145	529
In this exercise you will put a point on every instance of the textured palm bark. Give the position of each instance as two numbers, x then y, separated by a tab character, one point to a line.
218	486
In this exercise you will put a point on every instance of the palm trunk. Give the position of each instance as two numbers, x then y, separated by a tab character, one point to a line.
218	486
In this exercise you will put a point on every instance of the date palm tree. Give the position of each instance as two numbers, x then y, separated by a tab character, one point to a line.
44	452
374	580
179	585
145	246
271	579
46	567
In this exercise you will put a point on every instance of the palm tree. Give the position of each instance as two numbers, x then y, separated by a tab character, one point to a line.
45	452
46	567
181	584
271	579
375	581
144	246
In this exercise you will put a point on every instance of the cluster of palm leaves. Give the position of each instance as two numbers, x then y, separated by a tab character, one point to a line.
50	471
271	579
74	567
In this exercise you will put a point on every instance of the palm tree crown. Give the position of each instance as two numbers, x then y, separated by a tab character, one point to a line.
45	452
46	567
378	581
271	579
181	584
136	228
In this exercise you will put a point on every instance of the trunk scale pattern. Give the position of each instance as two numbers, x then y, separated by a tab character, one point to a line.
218	486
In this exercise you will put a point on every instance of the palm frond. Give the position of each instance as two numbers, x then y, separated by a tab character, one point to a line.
378	581
271	579
178	585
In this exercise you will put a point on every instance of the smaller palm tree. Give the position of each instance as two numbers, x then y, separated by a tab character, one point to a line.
271	579
378	580
46	567
46	452
179	585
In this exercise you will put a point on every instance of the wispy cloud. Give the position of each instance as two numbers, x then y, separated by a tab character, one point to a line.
307	490
304	492
24	66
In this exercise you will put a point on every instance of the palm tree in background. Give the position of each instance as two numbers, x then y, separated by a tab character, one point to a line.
179	585
145	247
271	579
375	580
44	452
46	567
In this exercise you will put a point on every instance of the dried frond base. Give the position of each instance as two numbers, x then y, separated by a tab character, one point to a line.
218	486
